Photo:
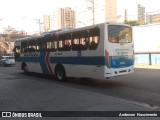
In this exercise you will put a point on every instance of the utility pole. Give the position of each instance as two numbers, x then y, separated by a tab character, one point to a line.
93	11
39	23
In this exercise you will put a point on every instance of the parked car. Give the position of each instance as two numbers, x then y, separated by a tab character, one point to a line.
8	60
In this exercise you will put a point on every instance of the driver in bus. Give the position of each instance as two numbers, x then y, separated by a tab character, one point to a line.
112	39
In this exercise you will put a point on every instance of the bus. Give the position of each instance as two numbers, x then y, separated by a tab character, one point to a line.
99	51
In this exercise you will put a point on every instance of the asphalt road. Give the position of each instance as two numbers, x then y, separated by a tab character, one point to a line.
137	91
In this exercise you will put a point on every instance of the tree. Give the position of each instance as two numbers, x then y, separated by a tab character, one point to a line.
133	22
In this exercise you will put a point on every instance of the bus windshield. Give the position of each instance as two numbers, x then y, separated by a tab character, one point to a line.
119	34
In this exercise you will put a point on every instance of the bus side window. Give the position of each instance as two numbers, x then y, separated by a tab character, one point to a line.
49	44
67	43
64	42
54	43
83	40
23	46
75	41
60	43
94	36
16	51
32	45
41	44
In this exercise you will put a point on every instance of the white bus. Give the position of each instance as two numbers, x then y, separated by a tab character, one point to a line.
98	51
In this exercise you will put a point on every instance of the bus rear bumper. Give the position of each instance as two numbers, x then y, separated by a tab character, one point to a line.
118	72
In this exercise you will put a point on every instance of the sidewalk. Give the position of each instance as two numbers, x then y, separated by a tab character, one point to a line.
145	66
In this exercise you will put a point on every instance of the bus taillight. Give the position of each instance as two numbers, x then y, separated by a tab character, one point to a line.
107	59
133	58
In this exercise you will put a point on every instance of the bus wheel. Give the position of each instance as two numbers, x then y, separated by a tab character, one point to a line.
24	68
60	73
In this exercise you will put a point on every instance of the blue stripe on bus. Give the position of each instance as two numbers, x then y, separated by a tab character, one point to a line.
43	63
120	62
115	62
65	60
79	60
40	59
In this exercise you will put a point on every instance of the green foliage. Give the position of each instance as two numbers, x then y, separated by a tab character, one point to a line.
133	22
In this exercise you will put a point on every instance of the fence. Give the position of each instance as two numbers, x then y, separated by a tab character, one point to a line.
147	58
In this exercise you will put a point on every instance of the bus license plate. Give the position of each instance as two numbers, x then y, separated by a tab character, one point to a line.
122	63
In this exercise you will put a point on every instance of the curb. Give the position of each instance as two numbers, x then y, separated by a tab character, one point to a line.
147	66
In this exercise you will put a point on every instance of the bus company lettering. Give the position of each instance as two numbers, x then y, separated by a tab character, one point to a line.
122	51
31	54
58	54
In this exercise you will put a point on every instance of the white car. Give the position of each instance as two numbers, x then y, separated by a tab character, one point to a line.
8	60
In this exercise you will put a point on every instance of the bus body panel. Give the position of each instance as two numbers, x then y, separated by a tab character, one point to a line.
90	63
120	56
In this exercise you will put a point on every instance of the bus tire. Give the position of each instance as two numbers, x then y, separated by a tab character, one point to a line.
25	68
60	73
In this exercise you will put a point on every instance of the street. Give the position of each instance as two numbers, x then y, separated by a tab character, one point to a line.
133	92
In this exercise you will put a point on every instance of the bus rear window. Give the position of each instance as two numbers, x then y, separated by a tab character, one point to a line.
119	34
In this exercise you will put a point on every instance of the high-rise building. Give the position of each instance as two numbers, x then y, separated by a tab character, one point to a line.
62	18
141	14
46	23
125	14
96	11
67	18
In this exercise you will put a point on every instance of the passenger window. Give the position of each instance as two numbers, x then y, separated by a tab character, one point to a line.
17	51
49	44
32	45
67	43
64	42
94	35
83	40
23	46
41	44
52	43
75	41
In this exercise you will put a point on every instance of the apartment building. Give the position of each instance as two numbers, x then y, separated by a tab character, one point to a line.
60	18
96	11
46	23
67	18
141	13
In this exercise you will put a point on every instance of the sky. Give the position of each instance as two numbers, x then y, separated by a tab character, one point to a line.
20	14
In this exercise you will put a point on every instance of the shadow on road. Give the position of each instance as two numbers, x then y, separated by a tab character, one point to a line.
109	83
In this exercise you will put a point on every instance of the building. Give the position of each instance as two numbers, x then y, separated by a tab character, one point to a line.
62	18
96	11
46	22
125	14
153	18
141	13
68	18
